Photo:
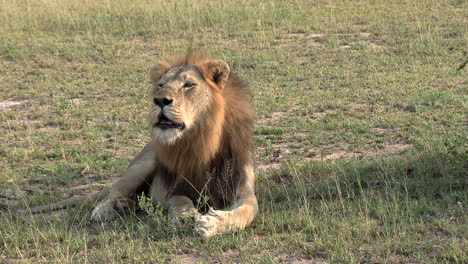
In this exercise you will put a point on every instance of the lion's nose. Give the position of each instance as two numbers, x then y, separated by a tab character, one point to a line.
161	102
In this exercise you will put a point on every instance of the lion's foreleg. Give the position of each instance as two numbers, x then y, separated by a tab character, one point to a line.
138	173
180	207
238	216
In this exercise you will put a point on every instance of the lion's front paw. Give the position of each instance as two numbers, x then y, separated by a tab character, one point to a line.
211	223
104	211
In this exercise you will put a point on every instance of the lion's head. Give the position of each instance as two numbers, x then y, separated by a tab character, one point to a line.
183	94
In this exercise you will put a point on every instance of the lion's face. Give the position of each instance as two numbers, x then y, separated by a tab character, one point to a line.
182	98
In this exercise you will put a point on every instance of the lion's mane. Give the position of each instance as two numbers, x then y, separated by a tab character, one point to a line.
208	160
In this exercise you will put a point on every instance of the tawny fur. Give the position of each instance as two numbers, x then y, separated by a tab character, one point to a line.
212	157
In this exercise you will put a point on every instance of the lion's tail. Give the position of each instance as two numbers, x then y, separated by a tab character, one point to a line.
93	197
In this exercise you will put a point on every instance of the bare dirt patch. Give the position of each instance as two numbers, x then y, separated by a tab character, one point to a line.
319	35
305	35
351	38
78	101
273	118
269	166
388	150
333	156
320	115
8	104
187	256
374	45
293	39
290	259
393	148
49	127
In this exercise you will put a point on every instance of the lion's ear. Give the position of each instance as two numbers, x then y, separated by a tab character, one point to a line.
219	71
157	71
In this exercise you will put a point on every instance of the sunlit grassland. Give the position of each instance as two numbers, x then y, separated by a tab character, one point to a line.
360	132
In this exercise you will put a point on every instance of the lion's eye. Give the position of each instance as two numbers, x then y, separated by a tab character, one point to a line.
160	85
189	85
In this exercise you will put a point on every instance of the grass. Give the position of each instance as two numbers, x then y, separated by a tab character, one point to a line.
360	133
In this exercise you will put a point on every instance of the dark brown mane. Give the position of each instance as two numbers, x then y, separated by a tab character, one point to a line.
223	139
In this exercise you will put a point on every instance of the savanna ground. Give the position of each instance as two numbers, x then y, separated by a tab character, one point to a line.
361	131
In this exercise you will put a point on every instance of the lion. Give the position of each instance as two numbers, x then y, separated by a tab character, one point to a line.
201	149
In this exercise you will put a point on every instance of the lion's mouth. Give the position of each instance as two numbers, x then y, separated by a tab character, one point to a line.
165	123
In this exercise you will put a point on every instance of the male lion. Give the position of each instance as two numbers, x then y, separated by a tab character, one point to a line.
201	147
